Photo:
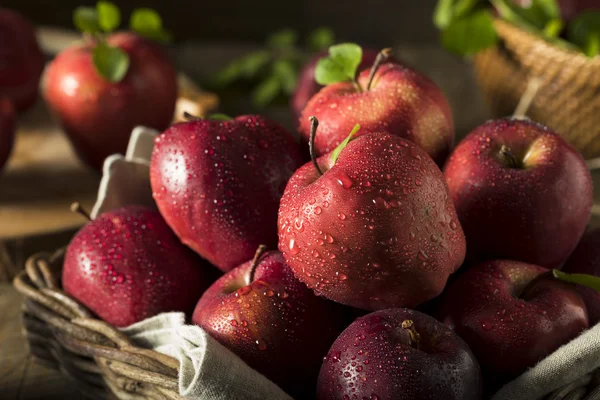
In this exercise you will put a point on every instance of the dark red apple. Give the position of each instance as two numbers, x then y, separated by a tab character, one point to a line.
127	265
99	115
400	101
376	230
307	87
218	184
512	314
270	319
7	129
21	60
586	260
521	192
399	354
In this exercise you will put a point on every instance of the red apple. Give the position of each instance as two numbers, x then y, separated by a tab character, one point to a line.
270	319
21	60
399	354
307	87
7	129
512	314
521	192
218	184
586	260
376	230
127	265
99	115
400	101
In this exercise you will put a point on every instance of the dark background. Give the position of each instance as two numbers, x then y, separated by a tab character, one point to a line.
375	22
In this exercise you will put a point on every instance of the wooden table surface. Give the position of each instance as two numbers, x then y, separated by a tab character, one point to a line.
22	378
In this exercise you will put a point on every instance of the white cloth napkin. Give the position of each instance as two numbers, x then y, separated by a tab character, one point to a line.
207	370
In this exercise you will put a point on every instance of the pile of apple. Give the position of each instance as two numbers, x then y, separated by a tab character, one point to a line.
331	267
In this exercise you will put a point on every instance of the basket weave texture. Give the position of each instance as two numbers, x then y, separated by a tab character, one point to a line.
64	335
105	364
568	98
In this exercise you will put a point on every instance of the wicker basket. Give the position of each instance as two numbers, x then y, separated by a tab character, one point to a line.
568	98
64	335
101	360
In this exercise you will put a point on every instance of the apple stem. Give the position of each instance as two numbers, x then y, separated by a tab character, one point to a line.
415	338
509	156
314	123
77	208
259	252
381	58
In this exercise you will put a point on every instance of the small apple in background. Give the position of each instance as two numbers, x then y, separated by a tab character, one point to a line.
585	259
307	87
399	354
127	265
218	184
390	97
101	89
21	60
7	129
270	319
373	227
521	192
512	315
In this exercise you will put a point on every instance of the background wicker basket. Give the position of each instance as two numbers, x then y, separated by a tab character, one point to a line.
568	98
64	335
104	363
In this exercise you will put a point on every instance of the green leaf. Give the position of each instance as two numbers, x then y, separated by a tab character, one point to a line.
284	39
321	38
464	7
447	11
266	91
584	31
590	281
470	34
247	67
340	65
109	16
148	23
336	152
111	63
219	117
535	17
553	28
86	19
287	73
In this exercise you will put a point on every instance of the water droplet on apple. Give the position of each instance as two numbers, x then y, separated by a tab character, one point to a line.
345	181
261	344
318	210
453	225
342	277
341	216
487	325
412	236
294	249
414	153
269	293
244	290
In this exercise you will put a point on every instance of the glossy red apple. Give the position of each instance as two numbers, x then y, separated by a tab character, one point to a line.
7	129
521	192
218	184
21	60
376	230
307	87
399	354
512	314
99	115
399	100
270	319
586	260
127	265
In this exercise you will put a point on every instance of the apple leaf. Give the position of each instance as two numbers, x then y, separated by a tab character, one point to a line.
111	63
584	31
553	28
287	73
266	91
86	20
336	152
247	67
590	281
470	34
448	10
321	38
341	64
219	117
148	23
109	16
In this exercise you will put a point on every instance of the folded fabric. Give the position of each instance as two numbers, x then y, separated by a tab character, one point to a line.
207	370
